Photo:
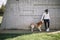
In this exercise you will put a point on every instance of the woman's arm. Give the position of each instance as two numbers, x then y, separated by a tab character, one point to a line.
42	16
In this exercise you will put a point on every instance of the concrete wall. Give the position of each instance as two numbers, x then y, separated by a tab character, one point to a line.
20	14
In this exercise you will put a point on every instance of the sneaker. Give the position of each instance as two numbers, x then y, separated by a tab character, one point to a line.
47	30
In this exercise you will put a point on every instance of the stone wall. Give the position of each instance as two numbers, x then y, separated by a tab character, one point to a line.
20	14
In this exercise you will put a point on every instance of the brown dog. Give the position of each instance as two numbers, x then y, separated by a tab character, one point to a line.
37	25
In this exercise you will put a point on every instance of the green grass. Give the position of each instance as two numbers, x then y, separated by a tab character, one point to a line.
30	36
1	16
1	19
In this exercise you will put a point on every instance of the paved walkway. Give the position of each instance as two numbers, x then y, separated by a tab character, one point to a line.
15	31
26	31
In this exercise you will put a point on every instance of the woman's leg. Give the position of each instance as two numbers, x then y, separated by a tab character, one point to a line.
45	24
48	23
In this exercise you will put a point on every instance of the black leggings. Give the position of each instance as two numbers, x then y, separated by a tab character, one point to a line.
47	23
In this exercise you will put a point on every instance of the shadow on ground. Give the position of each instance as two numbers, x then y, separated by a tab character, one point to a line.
4	36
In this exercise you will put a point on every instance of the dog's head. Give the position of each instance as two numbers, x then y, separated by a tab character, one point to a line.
39	23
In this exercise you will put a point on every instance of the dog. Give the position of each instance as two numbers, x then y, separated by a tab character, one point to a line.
37	25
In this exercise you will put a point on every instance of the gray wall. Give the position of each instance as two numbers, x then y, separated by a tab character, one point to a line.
20	14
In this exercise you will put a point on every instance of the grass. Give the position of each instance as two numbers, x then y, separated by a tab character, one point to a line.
1	16
30	36
1	19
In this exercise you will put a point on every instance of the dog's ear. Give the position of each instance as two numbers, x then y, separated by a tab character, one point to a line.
42	21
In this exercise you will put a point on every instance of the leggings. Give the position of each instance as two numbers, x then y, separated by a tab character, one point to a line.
47	23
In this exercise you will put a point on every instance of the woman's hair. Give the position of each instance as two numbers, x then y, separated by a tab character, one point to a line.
46	10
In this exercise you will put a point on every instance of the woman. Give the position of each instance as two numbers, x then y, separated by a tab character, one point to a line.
46	19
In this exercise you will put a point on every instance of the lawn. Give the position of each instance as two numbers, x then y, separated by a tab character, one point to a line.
1	19
30	36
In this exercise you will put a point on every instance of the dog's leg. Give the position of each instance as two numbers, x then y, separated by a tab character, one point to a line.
39	28
32	27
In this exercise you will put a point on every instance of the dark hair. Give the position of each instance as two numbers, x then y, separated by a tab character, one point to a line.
46	10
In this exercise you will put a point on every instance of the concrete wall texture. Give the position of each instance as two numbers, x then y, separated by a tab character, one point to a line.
20	14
